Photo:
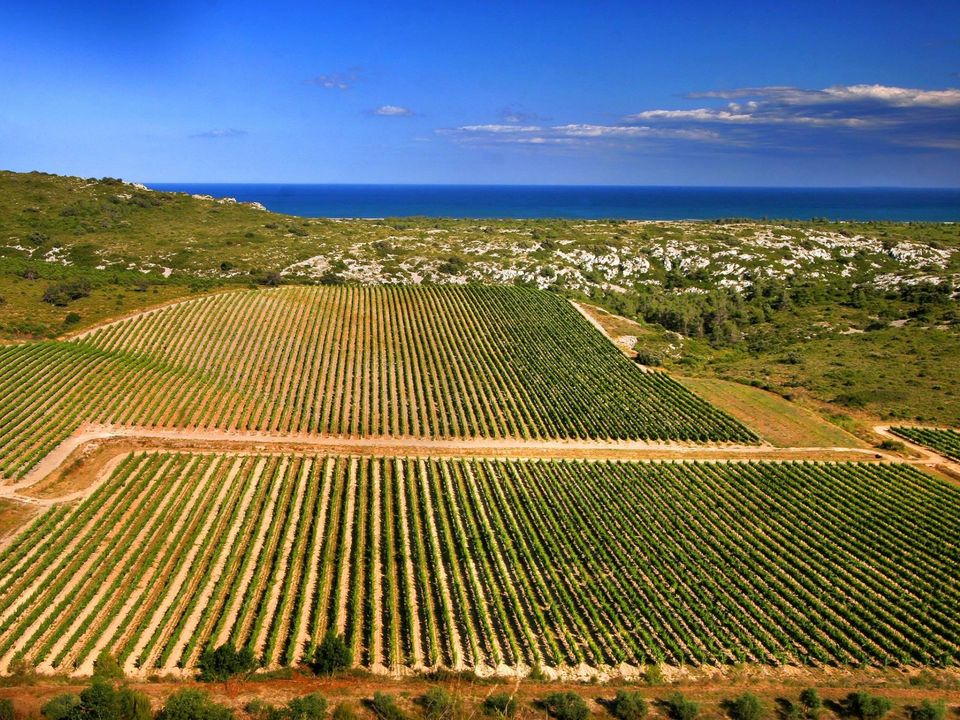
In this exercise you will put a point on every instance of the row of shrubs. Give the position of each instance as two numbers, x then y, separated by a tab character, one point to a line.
106	700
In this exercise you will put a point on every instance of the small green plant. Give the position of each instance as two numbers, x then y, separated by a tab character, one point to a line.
6	709
811	703
629	705
679	708
745	707
653	674
344	711
566	706
308	707
332	655
500	705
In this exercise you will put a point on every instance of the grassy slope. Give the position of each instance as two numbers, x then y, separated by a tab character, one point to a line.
122	241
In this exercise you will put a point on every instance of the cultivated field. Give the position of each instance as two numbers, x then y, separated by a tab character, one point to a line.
394	361
943	440
484	563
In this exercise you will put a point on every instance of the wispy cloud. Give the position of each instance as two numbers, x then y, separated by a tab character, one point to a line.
392	111
571	134
518	115
337	80
221	133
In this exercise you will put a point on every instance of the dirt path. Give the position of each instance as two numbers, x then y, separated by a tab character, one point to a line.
928	456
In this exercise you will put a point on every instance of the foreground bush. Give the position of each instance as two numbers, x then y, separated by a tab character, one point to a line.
224	662
566	706
100	701
440	704
745	707
193	705
500	705
385	707
628	705
865	706
308	707
679	708
6	709
928	710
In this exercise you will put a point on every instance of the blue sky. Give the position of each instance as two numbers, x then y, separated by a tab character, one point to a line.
594	92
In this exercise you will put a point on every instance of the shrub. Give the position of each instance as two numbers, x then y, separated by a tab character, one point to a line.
225	662
628	705
865	706
500	704
343	711
566	706
6	709
73	318
106	665
647	357
653	675
679	708
37	238
928	710
308	707
193	705
60	294
59	706
385	707
332	654
440	705
810	699
746	707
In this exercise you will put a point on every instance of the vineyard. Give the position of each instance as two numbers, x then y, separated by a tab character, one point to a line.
400	361
489	563
942	440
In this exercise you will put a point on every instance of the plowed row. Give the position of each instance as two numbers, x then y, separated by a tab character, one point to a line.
401	361
466	563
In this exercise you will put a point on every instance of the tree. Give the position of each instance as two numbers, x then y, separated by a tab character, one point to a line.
566	706
332	654
193	705
810	699
746	707
629	705
224	662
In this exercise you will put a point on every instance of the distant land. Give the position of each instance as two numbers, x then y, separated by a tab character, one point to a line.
590	202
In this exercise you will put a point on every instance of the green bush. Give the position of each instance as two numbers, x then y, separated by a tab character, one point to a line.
928	710
810	699
440	704
566	706
106	665
308	707
679	708
746	707
60	294
344	711
628	705
500	705
193	705
6	709
59	706
385	707
224	662
332	654
865	706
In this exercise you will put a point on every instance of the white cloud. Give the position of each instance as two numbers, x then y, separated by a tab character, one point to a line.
221	133
337	80
393	111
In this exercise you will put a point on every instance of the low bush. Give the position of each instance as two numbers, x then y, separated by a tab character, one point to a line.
679	708
745	707
440	704
864	706
628	705
929	710
500	705
106	665
6	709
193	705
344	711
59	706
566	706
60	294
385	707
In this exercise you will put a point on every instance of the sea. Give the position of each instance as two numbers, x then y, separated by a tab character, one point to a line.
590	202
